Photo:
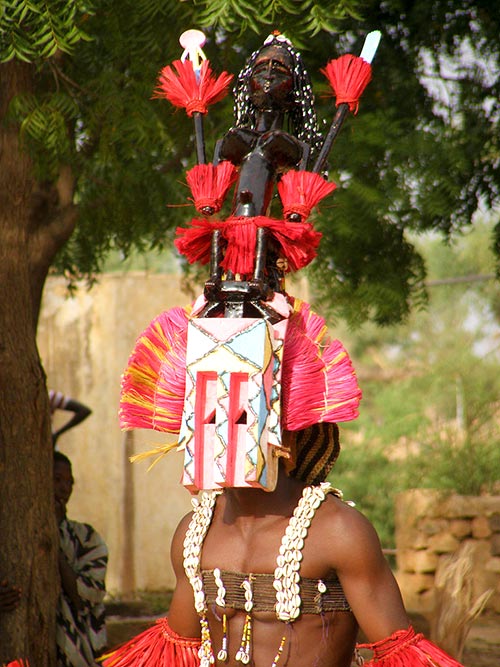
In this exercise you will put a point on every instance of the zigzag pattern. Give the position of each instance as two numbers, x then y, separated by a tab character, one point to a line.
81	635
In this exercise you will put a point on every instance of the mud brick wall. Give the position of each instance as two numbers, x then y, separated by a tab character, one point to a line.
433	524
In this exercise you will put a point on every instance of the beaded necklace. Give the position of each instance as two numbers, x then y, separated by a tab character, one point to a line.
286	574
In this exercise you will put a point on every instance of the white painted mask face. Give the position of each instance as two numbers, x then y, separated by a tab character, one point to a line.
231	412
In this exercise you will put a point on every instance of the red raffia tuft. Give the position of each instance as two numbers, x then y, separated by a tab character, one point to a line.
209	184
18	663
348	76
158	646
195	242
297	241
301	191
152	393
183	89
318	380
240	234
405	648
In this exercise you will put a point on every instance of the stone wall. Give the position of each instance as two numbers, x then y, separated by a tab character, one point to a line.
431	525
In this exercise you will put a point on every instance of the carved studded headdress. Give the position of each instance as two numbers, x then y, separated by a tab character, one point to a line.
302	115
247	361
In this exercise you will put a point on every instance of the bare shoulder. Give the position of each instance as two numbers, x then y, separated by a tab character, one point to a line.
348	535
183	524
182	615
177	545
353	550
342	514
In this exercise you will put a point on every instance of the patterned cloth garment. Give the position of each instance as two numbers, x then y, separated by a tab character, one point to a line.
81	635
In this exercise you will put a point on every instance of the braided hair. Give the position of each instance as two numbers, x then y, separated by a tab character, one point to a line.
302	115
314	451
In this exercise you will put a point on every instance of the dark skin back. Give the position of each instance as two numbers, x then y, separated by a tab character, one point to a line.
245	535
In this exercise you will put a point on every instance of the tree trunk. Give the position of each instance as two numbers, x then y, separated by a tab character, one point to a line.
27	519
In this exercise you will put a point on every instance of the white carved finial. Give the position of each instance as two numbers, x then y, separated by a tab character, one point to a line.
192	41
371	45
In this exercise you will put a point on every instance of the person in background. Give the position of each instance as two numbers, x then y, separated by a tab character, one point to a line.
9	596
83	558
59	401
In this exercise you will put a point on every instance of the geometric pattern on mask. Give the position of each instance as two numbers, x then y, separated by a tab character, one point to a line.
231	419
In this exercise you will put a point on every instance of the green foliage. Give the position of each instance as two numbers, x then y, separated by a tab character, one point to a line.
367	478
411	160
44	129
469	468
430	408
34	30
365	261
299	20
152	261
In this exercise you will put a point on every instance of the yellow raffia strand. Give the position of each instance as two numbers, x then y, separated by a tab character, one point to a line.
321	335
137	399
159	451
107	656
336	360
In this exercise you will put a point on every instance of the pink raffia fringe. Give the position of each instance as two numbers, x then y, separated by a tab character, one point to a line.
158	646
406	648
153	384
318	379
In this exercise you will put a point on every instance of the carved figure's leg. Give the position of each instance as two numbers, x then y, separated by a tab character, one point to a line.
215	257
260	254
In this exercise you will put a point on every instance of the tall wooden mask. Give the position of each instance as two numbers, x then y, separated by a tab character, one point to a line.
231	419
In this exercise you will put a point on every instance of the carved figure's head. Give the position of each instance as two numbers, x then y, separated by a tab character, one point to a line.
274	77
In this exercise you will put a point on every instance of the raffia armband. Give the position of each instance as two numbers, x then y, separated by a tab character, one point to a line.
157	646
406	648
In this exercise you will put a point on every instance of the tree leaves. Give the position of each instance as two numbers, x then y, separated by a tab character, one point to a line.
299	20
44	129
34	30
407	162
